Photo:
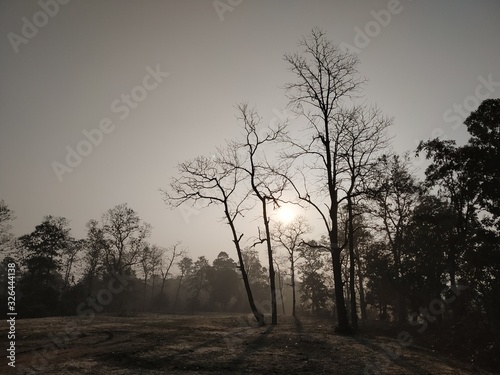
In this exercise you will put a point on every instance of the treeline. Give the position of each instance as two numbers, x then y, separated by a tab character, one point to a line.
115	269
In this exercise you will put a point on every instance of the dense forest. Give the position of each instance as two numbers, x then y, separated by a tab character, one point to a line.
416	252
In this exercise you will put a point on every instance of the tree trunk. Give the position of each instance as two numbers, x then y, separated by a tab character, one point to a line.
272	281
177	293
352	282
292	272
152	291
258	315
362	302
402	316
145	289
280	280
343	321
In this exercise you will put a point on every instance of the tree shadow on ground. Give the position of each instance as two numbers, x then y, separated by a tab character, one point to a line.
385	356
251	347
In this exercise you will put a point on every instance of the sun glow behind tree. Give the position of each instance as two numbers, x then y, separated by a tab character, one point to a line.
285	214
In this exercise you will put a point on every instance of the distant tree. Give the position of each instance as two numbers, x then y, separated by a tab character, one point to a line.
150	259
198	283
69	257
315	294
224	280
257	274
185	265
289	236
167	258
381	279
427	239
95	247
155	263
394	198
6	237
125	235
363	240
280	263
42	282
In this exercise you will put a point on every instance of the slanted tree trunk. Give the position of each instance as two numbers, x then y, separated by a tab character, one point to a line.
294	297
272	281
236	240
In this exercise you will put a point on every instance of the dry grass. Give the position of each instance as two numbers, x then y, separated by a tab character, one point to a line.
211	344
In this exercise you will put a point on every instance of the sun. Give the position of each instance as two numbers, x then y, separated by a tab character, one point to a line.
285	214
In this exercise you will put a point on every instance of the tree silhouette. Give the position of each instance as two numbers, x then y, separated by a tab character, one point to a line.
289	237
215	180
325	78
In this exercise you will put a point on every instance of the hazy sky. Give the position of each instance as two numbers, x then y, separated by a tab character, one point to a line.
68	74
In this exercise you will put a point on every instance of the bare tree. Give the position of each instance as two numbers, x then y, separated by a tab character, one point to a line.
215	180
6	237
280	262
267	187
95	248
364	140
125	234
185	265
167	260
150	259
69	257
325	78
289	236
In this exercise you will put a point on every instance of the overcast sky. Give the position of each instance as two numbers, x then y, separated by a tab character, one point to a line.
63	72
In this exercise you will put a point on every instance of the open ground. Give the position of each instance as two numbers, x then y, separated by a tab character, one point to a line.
212	344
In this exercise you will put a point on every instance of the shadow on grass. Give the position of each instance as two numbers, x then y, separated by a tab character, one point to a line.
385	356
251	348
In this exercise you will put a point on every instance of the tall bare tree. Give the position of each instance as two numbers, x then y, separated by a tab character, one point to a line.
215	180
326	77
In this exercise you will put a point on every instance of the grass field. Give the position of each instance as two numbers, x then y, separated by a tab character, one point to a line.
211	344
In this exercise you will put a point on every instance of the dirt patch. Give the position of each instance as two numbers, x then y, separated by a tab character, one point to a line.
212	344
